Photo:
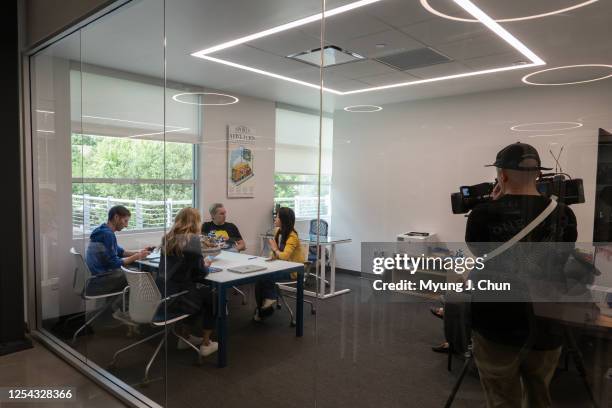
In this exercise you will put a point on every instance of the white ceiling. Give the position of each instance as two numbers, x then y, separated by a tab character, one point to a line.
131	39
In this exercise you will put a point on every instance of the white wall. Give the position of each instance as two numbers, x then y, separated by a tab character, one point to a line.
394	170
253	216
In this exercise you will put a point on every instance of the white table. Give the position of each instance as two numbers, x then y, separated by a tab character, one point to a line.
223	280
323	241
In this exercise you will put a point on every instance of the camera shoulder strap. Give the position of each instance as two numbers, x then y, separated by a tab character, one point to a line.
522	233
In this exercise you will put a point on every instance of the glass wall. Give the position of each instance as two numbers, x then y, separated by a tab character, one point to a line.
232	155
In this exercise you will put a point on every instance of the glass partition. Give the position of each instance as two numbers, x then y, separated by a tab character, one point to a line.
54	95
307	180
442	88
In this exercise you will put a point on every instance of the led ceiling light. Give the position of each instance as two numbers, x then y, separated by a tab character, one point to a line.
428	7
467	5
363	108
284	27
538	127
232	99
526	80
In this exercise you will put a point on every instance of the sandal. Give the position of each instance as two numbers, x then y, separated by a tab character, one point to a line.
438	312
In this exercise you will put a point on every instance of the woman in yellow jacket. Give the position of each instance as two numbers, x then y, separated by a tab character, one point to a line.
285	246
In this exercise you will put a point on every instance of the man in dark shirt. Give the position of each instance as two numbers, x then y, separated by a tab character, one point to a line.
224	230
515	357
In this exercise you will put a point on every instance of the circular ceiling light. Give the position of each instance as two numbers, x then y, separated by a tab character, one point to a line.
428	7
527	81
542	126
363	108
229	99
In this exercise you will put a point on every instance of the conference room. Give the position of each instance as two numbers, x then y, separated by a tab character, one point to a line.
346	130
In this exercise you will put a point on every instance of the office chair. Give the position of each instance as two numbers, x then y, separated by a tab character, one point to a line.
146	306
317	228
82	277
283	294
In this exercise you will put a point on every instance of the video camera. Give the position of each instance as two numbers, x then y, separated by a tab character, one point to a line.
567	190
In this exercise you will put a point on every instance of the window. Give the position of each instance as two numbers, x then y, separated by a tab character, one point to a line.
297	163
108	171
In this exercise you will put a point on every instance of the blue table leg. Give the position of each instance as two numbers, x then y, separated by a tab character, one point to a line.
299	307
221	327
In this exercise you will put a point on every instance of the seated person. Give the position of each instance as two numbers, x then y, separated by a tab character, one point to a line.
183	267
225	230
105	257
285	246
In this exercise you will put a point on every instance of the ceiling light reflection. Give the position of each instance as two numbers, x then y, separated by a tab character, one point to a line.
525	79
428	7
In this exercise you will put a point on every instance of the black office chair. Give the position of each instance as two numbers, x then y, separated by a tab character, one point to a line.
316	228
282	294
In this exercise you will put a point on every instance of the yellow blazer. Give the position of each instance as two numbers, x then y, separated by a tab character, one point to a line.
293	250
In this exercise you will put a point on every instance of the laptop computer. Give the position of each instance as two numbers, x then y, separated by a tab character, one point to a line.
246	269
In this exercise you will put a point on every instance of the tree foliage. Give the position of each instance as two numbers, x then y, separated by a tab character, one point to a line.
123	158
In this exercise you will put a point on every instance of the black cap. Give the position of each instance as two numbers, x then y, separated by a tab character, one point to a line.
518	156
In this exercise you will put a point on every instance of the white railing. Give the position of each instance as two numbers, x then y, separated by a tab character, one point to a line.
88	212
306	207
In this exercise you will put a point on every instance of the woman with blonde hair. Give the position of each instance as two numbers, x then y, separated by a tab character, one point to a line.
182	267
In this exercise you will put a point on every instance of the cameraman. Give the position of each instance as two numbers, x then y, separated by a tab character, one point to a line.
515	364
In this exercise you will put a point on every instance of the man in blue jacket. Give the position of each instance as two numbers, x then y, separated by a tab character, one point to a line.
105	257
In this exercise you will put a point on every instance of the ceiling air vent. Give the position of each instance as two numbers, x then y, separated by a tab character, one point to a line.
333	56
419	58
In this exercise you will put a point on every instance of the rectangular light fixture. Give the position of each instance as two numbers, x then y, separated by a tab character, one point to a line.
467	5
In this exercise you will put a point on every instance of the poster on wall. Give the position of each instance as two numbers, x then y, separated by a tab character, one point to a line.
240	159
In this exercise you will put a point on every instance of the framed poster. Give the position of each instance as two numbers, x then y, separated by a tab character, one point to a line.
240	161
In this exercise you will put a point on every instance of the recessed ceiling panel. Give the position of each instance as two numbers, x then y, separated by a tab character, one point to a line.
492	61
346	26
440	31
386	79
290	42
386	42
419	58
474	47
400	13
440	70
359	69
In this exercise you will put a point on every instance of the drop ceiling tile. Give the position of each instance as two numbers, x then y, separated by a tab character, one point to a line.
442	31
387	79
287	42
399	13
355	70
343	85
346	26
255	58
394	40
439	70
494	61
480	46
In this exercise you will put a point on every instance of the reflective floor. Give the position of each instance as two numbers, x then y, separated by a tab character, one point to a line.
40	367
368	352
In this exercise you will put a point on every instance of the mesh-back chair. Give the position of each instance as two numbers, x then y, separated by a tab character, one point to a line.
316	228
82	277
283	294
146	306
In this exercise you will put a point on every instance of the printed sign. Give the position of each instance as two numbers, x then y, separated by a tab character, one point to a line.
240	161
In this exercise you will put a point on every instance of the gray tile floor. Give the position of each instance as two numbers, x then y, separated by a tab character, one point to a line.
40	367
357	351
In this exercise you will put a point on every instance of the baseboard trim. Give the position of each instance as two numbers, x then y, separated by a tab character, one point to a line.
10	347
